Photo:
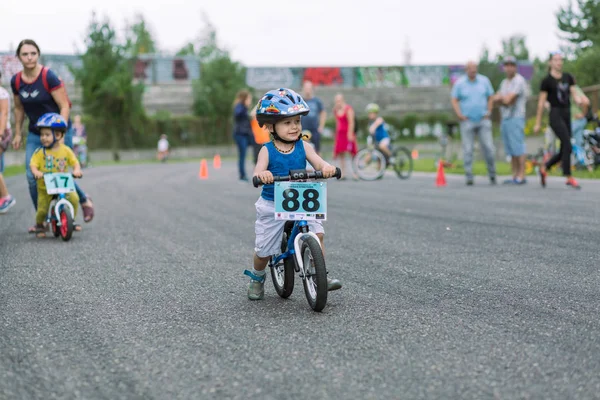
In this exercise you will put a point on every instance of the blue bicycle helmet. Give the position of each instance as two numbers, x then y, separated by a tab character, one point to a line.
278	104
53	121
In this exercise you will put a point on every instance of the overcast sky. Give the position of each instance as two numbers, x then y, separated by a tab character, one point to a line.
296	32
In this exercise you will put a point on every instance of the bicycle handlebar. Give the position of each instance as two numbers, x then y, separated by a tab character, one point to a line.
297	175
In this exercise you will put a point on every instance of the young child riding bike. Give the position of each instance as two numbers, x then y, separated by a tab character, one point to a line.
53	156
378	131
280	110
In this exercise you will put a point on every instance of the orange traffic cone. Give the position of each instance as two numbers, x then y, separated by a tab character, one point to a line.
217	161
441	178
203	174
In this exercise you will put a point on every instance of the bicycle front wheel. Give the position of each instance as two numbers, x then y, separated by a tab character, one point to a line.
403	162
315	274
368	164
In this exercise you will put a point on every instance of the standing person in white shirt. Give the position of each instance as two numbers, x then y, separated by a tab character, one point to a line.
6	200
163	148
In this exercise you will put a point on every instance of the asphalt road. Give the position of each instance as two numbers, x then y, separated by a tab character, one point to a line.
456	292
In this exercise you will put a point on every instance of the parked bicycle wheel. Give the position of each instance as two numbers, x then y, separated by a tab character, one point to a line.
403	162
369	164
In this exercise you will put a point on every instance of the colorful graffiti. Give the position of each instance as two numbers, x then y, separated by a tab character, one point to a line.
377	77
329	76
426	75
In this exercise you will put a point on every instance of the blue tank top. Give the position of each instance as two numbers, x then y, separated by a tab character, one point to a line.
380	132
281	164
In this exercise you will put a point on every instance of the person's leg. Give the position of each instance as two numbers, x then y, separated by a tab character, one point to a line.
467	137
3	188
316	140
520	151
242	144
558	127
33	143
41	214
317	227
268	233
73	198
486	139
562	129
504	132
577	127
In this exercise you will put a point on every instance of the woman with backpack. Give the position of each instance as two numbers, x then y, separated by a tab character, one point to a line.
38	90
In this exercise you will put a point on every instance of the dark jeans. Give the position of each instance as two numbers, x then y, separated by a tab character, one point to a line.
242	141
560	122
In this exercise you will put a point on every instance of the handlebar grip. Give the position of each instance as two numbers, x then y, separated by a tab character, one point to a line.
338	173
256	181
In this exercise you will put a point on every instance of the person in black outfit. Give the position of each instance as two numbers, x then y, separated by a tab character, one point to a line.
556	88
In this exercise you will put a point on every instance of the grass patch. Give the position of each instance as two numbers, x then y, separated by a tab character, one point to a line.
502	168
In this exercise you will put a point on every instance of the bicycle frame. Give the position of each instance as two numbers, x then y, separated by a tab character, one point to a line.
62	201
299	232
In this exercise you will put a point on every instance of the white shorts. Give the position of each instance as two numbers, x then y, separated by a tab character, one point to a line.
269	230
384	142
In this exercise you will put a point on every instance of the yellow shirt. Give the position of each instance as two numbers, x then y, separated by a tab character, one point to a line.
53	160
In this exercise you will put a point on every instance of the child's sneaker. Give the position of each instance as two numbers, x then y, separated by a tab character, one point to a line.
573	183
256	287
333	284
6	203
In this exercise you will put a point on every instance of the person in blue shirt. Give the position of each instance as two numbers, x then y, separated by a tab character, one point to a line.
37	90
315	120
378	131
280	111
472	101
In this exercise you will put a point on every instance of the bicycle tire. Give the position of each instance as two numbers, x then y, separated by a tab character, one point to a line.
54	223
403	162
283	281
316	274
66	227
362	157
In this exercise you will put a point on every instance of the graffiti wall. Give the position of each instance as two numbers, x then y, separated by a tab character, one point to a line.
147	69
377	77
151	69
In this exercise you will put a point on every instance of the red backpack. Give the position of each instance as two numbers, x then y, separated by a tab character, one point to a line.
44	82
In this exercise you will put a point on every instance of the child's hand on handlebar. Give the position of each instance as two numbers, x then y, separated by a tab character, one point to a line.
265	177
328	171
77	173
38	175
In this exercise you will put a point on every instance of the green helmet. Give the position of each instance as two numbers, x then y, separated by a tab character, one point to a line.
372	108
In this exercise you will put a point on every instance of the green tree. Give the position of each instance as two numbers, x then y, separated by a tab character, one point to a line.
220	79
580	24
516	46
489	66
108	91
139	38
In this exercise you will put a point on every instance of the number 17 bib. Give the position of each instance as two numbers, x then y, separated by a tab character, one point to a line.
301	201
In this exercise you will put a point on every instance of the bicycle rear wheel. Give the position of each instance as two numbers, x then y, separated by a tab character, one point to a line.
403	162
315	279
368	164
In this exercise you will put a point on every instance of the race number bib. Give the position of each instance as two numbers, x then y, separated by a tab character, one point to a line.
301	201
59	183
